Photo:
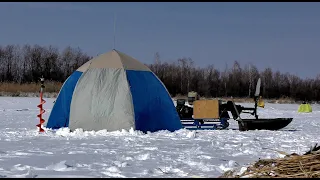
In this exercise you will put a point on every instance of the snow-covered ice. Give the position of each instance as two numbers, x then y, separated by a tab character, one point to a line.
26	153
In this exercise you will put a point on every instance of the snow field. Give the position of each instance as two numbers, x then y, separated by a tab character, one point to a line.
26	153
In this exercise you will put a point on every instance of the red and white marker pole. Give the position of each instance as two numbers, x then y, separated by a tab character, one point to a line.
42	101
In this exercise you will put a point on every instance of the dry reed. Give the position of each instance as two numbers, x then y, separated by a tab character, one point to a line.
247	100
291	166
52	88
28	89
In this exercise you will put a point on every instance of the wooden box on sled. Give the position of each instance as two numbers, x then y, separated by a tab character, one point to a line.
206	109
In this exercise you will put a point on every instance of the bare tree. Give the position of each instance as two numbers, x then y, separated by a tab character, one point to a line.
27	63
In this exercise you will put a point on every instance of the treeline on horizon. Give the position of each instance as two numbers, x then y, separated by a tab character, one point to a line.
27	63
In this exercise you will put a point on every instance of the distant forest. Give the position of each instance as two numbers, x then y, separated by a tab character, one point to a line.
26	64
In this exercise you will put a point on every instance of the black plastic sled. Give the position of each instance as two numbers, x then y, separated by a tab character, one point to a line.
263	124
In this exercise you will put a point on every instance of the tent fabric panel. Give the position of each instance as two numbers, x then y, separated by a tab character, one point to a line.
153	107
102	100
59	116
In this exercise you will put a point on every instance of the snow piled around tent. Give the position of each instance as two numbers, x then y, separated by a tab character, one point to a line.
26	153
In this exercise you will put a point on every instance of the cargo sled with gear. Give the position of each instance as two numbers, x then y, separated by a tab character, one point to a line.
213	114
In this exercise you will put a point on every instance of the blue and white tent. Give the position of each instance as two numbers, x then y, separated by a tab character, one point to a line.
114	91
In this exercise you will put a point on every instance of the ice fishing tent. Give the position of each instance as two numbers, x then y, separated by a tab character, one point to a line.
305	108
114	91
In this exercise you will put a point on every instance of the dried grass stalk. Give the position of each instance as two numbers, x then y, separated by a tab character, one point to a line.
291	166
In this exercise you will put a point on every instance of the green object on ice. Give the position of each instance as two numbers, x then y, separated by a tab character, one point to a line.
305	108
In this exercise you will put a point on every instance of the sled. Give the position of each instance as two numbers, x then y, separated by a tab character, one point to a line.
214	115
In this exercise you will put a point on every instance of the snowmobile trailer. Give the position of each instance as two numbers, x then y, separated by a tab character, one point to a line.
213	114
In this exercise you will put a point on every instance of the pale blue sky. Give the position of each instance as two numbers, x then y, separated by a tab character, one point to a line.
283	36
